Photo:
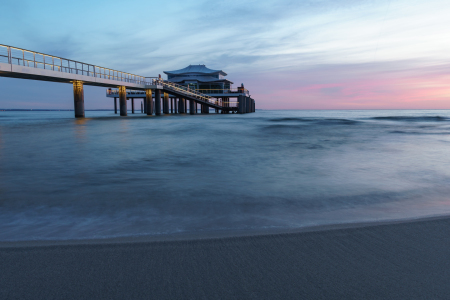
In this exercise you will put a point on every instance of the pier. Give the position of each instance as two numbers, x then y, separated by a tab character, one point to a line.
158	96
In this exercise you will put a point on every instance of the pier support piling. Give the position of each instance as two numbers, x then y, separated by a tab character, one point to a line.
205	109
182	106
192	107
166	103
157	102
115	105
123	100
149	102
78	99
241	104
132	105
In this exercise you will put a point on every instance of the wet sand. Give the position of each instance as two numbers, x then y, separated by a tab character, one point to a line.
406	260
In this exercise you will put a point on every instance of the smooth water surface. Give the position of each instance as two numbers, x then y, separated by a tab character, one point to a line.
109	176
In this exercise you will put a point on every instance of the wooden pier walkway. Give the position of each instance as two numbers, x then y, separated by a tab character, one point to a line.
21	63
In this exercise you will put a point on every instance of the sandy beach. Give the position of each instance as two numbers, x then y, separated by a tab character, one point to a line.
406	260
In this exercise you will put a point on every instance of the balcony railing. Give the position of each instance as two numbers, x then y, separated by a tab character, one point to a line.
22	57
223	91
132	92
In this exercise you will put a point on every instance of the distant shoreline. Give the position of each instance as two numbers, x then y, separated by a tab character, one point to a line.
14	109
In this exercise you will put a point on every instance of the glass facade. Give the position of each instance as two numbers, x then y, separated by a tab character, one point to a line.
193	86
214	87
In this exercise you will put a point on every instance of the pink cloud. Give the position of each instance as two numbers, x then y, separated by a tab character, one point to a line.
386	86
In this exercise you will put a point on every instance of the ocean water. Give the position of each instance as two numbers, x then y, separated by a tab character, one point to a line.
107	176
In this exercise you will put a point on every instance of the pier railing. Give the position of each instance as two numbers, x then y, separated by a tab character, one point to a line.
22	57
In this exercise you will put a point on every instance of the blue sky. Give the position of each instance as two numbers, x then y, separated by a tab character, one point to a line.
289	54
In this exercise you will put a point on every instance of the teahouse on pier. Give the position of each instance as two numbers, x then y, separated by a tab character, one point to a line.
200	80
184	91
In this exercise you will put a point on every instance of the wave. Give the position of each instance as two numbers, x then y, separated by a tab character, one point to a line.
319	121
412	119
419	133
292	119
338	122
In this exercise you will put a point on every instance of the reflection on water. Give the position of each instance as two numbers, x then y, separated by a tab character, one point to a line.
103	176
80	129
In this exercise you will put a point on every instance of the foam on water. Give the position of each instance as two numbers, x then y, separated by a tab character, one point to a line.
107	176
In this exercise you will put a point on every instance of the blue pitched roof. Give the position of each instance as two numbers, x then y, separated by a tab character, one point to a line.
195	69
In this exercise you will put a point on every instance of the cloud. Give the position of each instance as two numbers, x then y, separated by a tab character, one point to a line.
340	47
395	85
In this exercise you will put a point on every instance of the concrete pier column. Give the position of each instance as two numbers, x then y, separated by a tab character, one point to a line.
157	102
149	101
145	105
247	105
115	105
123	100
142	107
226	103
192	107
241	105
166	103
181	106
171	105
132	105
176	105
78	99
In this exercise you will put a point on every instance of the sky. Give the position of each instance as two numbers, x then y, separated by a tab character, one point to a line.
339	54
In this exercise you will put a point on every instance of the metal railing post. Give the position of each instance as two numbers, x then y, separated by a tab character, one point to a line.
9	56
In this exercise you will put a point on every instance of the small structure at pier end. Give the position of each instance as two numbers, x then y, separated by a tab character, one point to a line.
213	83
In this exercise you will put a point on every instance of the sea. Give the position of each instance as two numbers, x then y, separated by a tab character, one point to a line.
107	176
